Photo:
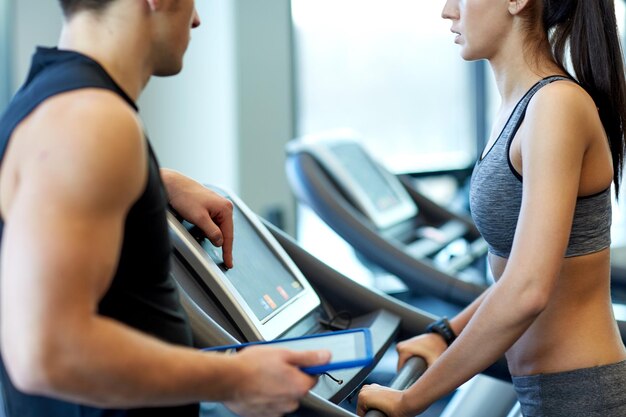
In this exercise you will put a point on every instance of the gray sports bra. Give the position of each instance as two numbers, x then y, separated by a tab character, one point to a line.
496	196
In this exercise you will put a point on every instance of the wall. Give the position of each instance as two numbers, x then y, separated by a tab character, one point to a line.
265	104
6	28
228	115
20	31
190	118
226	118
36	22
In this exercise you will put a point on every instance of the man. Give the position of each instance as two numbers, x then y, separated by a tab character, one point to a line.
91	323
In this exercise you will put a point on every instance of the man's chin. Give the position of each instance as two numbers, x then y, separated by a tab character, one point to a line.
168	71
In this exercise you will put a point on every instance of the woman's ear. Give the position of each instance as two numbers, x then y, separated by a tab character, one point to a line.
516	6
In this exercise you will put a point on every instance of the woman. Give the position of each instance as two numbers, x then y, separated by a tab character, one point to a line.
541	197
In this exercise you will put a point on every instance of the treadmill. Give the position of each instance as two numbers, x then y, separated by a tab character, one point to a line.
618	265
245	304
386	220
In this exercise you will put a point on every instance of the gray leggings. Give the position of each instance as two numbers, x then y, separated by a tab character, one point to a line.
590	392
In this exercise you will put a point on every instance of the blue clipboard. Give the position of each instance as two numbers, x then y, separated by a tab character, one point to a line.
349	348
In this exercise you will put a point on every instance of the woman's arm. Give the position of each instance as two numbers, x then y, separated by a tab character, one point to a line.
430	346
459	321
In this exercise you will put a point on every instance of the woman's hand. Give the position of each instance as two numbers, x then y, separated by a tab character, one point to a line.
428	346
393	403
389	401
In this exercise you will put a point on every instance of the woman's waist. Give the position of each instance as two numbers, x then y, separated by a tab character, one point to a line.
558	342
578	271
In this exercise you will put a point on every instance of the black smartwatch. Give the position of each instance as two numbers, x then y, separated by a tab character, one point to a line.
442	328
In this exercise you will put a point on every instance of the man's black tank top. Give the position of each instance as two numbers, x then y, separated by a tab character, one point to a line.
142	294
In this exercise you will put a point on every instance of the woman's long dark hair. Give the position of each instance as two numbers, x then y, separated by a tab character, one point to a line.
589	28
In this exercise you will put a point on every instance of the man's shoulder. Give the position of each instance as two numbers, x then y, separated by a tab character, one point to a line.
88	139
85	108
85	120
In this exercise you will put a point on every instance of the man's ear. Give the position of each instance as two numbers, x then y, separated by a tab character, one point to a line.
516	6
154	5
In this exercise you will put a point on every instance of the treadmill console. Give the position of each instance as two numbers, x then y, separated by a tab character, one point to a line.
266	297
373	190
265	294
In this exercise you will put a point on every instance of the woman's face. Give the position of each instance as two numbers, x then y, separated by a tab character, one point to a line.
480	26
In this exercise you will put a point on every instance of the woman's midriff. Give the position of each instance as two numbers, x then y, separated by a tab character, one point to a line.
577	329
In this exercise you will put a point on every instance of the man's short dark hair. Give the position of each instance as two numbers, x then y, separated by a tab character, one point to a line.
72	6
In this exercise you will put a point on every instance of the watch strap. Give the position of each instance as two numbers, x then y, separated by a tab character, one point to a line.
443	328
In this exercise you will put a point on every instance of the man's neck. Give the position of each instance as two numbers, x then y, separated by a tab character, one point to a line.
119	46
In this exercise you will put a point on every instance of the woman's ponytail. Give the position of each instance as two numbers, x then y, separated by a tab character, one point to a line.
590	27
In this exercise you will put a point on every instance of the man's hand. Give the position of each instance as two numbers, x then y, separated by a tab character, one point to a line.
271	382
198	205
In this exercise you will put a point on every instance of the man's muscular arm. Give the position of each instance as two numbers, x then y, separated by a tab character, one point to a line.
84	168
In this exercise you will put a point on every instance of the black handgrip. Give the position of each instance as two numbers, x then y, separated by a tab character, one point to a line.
409	373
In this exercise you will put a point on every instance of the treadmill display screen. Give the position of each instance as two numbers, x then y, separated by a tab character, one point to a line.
367	175
262	280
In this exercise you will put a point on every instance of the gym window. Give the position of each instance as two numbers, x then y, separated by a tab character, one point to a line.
390	70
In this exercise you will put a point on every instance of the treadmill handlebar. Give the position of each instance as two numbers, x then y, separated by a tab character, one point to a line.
409	373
